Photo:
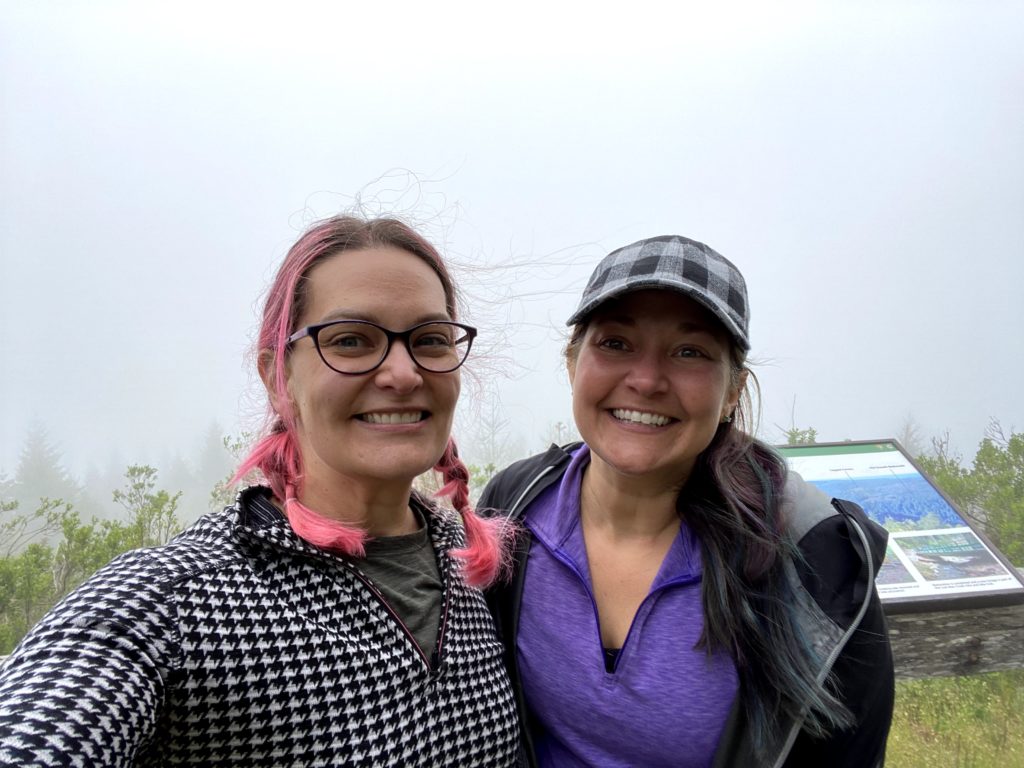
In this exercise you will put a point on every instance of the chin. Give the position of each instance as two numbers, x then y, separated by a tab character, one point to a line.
392	467
638	466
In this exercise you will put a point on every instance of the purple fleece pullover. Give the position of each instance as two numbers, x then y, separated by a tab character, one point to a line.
666	702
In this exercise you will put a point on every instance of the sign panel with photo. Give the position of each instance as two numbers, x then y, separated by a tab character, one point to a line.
934	554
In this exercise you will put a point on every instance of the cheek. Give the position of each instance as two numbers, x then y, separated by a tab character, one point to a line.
586	375
589	388
313	393
446	392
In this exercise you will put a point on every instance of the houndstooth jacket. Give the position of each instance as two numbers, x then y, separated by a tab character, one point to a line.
238	643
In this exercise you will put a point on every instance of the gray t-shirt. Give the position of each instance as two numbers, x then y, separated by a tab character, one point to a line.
404	569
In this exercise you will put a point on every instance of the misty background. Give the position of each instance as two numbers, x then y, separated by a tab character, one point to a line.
862	164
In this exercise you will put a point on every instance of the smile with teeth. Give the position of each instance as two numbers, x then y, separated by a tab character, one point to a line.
404	417
640	417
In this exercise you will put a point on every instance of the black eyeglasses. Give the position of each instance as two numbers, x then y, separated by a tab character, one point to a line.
359	346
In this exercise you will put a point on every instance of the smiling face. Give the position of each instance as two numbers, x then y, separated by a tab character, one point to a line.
652	380
384	427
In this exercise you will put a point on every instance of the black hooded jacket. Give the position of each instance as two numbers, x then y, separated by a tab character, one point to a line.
842	550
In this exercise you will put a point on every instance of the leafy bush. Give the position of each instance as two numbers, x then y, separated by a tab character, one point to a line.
36	573
959	722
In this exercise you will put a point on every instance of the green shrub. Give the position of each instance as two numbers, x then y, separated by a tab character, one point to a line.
959	722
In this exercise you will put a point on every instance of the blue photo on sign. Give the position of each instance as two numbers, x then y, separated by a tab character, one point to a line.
933	552
899	502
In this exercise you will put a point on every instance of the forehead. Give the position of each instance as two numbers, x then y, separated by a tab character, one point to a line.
662	307
373	283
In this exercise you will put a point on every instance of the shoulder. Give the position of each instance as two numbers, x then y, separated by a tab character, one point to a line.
143	575
513	487
804	506
810	514
113	645
138	589
208	544
204	545
840	548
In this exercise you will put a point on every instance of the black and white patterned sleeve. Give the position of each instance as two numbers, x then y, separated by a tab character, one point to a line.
85	686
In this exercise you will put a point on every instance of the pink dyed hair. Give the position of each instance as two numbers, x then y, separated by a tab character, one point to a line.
276	455
486	556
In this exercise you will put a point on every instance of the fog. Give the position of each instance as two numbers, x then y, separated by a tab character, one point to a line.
863	165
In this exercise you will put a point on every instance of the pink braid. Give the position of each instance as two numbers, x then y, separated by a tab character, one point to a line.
276	456
324	532
485	556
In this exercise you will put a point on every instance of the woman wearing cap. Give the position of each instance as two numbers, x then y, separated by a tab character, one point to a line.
680	599
330	617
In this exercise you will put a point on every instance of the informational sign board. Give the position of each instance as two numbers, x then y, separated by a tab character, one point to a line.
934	556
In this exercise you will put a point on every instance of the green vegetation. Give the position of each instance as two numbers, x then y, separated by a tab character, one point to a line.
54	534
959	722
991	491
46	550
976	721
50	551
796	436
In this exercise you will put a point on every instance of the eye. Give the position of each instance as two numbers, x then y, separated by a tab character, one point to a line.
691	352
433	340
612	344
347	342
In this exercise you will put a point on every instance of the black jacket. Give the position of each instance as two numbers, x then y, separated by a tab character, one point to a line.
842	550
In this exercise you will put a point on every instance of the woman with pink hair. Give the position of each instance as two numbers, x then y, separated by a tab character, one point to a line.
330	617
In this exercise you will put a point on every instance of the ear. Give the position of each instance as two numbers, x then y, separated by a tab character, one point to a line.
265	364
570	368
733	398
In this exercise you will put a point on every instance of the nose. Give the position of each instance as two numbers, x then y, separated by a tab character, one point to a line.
398	371
646	375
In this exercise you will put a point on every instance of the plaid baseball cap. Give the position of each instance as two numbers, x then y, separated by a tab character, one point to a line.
672	263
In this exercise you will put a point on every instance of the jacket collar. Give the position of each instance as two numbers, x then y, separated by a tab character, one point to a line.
556	524
256	518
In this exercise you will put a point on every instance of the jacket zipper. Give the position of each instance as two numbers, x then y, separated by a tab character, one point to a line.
679	581
435	661
391	612
571	565
826	667
445	585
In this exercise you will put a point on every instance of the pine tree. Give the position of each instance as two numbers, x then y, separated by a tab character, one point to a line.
41	473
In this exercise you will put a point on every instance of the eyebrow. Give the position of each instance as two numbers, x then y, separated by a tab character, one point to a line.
374	317
685	326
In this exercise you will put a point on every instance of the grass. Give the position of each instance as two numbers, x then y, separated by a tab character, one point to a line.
959	722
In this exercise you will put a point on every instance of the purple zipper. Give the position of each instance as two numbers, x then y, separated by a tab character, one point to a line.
571	565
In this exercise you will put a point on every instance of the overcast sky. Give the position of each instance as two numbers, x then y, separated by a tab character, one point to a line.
862	163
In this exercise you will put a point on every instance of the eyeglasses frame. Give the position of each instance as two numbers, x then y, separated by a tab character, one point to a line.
313	331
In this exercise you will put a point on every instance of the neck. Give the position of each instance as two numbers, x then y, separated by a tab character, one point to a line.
625	505
380	509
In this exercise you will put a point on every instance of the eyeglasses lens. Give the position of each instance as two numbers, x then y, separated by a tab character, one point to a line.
351	347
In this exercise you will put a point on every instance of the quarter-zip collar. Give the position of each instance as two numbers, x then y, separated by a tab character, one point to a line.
256	518
258	521
557	526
